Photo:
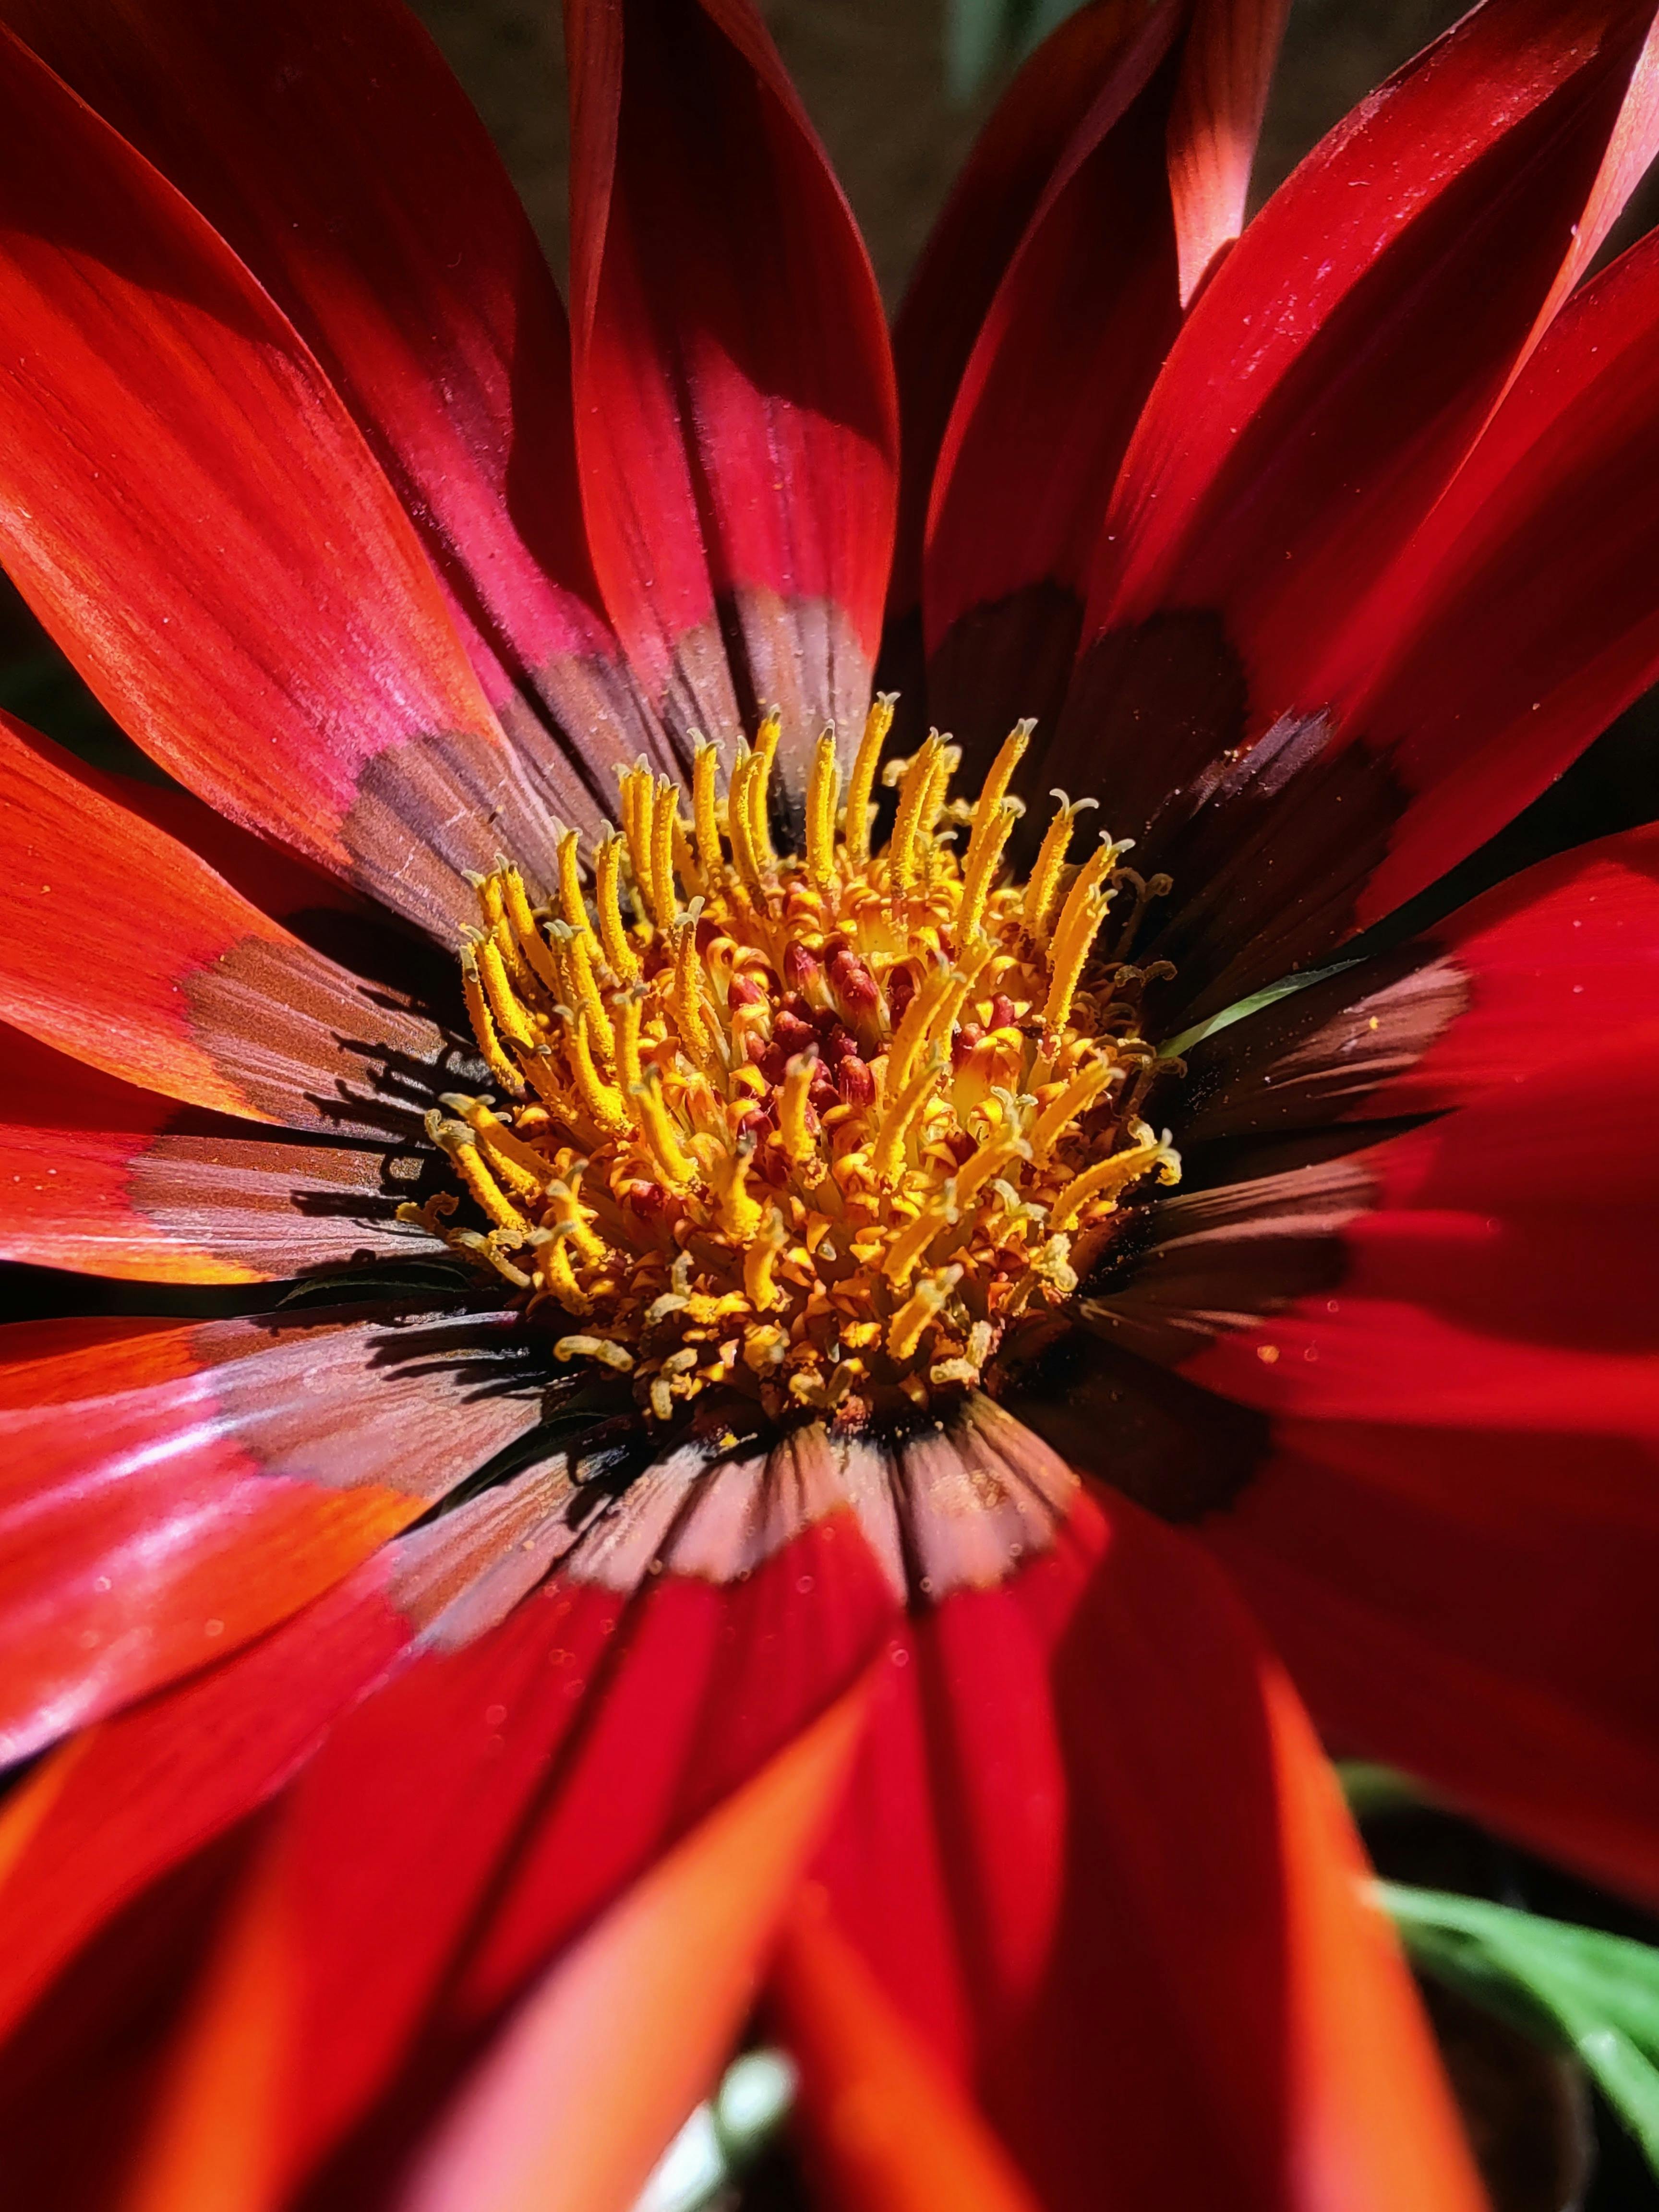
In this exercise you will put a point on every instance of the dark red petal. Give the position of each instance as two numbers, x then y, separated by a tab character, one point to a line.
1094	1860
1360	334
1500	1274
1231	48
122	947
1144	192
193	515
735	417
1556	966
963	264
1522	619
334	150
153	1526
100	1177
1474	1606
578	2099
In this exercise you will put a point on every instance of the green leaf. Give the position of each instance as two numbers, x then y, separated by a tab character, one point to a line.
1371	1789
1574	1987
1268	996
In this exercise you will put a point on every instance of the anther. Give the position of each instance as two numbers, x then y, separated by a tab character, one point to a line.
877	723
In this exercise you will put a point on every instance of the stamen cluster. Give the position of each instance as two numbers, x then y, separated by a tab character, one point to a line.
818	1127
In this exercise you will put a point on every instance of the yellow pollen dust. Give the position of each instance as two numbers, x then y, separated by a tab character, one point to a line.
817	1129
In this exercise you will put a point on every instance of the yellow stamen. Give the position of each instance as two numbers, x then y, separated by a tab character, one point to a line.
685	860
524	1171
983	859
584	992
1075	933
913	796
759	1283
509	1015
559	1277
484	1027
1106	1178
739	821
687	997
570	1217
658	1130
638	803
1011	752
822	795
663	903
912	1032
626	1056
986	1165
1069	965
904	1254
1044	886
705	767
740	1216
877	723
601	1101
607	871
528	938
601	1348
905	1331
945	761
896	1122
799	1145
1072	1104
757	792
457	1140
572	905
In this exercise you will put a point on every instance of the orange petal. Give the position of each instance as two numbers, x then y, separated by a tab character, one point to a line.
893	2132
576	2102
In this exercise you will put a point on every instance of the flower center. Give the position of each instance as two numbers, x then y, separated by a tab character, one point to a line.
821	1128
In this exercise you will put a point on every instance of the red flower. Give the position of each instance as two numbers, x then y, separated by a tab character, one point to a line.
464	1722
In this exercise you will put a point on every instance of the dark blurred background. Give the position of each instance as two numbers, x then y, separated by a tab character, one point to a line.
874	75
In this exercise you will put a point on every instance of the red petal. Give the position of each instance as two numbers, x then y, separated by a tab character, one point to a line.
735	415
119	1804
1231	48
122	946
234	576
111	1180
1360	336
1361	333
1477	1607
992	200
1520	620
515	1779
1076	330
123	1802
580	2095
157	1524
331	148
1563	957
1148	190
1094	1856
1499	1277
